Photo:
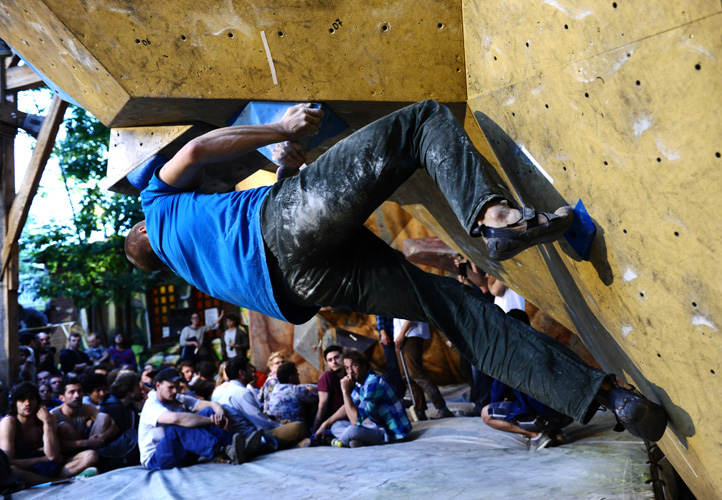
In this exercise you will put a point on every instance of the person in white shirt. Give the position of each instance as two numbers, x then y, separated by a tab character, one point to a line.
409	338
176	430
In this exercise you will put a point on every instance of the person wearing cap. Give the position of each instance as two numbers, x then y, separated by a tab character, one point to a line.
176	430
28	436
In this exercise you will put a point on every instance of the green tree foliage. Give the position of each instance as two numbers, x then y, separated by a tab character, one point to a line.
84	257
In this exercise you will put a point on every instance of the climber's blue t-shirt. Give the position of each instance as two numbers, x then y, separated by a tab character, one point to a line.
213	241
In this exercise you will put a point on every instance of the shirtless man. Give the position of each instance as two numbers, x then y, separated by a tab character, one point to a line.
81	426
28	435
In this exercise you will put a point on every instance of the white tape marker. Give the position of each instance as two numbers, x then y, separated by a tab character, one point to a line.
268	56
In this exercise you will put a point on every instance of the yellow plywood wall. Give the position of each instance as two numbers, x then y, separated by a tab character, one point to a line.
175	61
619	104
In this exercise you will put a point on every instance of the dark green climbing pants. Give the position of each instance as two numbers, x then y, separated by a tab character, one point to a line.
320	254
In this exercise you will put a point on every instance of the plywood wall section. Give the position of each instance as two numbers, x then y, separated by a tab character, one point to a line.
37	34
619	104
171	57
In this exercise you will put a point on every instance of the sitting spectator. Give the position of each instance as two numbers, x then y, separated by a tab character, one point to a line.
28	435
56	380
46	397
27	340
28	369
516	412
95	387
186	369
330	397
290	401
72	359
148	374
175	429
121	355
123	404
221	381
45	354
81	426
375	415
204	384
513	411
234	341
95	351
245	413
43	377
274	361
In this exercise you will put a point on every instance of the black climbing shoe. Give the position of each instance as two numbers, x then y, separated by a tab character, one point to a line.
505	242
637	414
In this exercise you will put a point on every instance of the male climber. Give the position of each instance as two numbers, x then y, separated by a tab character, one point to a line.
286	250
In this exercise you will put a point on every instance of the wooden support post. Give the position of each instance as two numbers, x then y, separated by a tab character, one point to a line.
12	219
21	205
8	289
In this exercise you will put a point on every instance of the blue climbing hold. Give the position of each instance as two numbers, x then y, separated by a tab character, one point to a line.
580	234
263	112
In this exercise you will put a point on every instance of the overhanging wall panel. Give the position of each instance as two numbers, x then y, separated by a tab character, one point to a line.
636	133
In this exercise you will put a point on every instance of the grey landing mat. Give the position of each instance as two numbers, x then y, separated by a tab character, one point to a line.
456	458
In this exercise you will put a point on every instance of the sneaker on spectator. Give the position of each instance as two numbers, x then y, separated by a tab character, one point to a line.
542	440
443	413
356	443
254	443
89	472
236	450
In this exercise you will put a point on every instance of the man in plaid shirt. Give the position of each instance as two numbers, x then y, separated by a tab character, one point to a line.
376	416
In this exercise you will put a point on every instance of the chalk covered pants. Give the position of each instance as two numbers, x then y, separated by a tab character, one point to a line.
319	253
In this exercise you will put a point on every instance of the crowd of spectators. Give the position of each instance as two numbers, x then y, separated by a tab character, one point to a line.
88	411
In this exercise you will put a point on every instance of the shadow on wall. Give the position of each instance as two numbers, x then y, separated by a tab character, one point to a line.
534	190
611	355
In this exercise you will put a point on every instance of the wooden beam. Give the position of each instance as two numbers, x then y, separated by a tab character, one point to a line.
9	289
22	78
21	204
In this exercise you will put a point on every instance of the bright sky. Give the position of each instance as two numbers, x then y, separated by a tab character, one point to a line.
51	202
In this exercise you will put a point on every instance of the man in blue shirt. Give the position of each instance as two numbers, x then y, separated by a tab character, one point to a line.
287	249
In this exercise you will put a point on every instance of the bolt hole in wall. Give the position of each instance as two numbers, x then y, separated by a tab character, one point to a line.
230	35
280	33
440	25
698	67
